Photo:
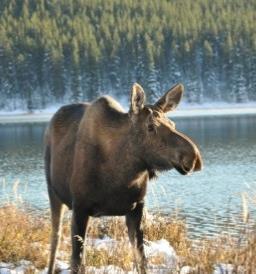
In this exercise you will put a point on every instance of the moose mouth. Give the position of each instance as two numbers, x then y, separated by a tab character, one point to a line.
182	169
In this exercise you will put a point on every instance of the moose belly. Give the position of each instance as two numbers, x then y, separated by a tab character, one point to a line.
117	202
98	211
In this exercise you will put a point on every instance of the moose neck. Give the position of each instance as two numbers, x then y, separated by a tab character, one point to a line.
108	128
122	159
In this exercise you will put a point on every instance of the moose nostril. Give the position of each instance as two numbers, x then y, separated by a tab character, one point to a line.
192	164
186	169
187	166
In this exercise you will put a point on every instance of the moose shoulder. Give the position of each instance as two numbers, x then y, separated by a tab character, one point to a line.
99	158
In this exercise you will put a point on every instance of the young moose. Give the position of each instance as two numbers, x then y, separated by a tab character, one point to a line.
98	160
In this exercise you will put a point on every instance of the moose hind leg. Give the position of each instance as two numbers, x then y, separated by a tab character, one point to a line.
135	233
78	230
56	219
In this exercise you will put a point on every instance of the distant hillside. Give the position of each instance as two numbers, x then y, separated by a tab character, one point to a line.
70	50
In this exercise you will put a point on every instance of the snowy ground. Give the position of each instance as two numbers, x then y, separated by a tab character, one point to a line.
153	250
184	110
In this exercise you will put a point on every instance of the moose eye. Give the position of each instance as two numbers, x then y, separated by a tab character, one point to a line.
151	128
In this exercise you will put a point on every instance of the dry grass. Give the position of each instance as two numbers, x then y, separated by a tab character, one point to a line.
22	236
25	236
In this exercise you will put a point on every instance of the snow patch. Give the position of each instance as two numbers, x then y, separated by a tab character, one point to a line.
105	270
5	270
228	269
6	265
106	243
22	267
163	250
162	259
187	270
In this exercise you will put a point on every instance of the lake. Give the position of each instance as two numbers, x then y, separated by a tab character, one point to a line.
210	200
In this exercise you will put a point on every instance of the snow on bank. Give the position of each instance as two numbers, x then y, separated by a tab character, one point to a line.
184	110
214	109
154	251
27	267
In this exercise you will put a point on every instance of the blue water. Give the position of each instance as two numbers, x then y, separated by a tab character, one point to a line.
210	200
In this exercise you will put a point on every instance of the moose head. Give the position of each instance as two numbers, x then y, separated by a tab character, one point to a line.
155	138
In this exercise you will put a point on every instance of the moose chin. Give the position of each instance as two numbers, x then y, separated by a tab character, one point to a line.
99	158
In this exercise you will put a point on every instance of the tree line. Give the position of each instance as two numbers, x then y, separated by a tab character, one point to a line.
55	51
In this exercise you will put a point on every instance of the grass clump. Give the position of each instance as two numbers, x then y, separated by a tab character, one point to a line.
23	236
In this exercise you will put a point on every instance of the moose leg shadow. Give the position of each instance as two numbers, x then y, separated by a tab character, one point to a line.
79	225
135	233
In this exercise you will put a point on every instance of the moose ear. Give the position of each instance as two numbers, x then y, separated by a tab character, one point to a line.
171	99
137	98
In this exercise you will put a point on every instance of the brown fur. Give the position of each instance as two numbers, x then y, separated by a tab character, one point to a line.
99	158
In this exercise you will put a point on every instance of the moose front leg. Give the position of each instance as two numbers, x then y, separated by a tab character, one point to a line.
135	233
78	230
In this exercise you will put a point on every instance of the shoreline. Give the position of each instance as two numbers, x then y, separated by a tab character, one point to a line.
185	112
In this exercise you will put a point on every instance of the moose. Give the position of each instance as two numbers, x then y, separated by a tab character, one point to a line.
99	158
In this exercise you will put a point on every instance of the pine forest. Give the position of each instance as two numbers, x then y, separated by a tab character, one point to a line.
55	52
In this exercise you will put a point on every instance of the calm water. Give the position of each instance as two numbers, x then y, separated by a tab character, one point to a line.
210	200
